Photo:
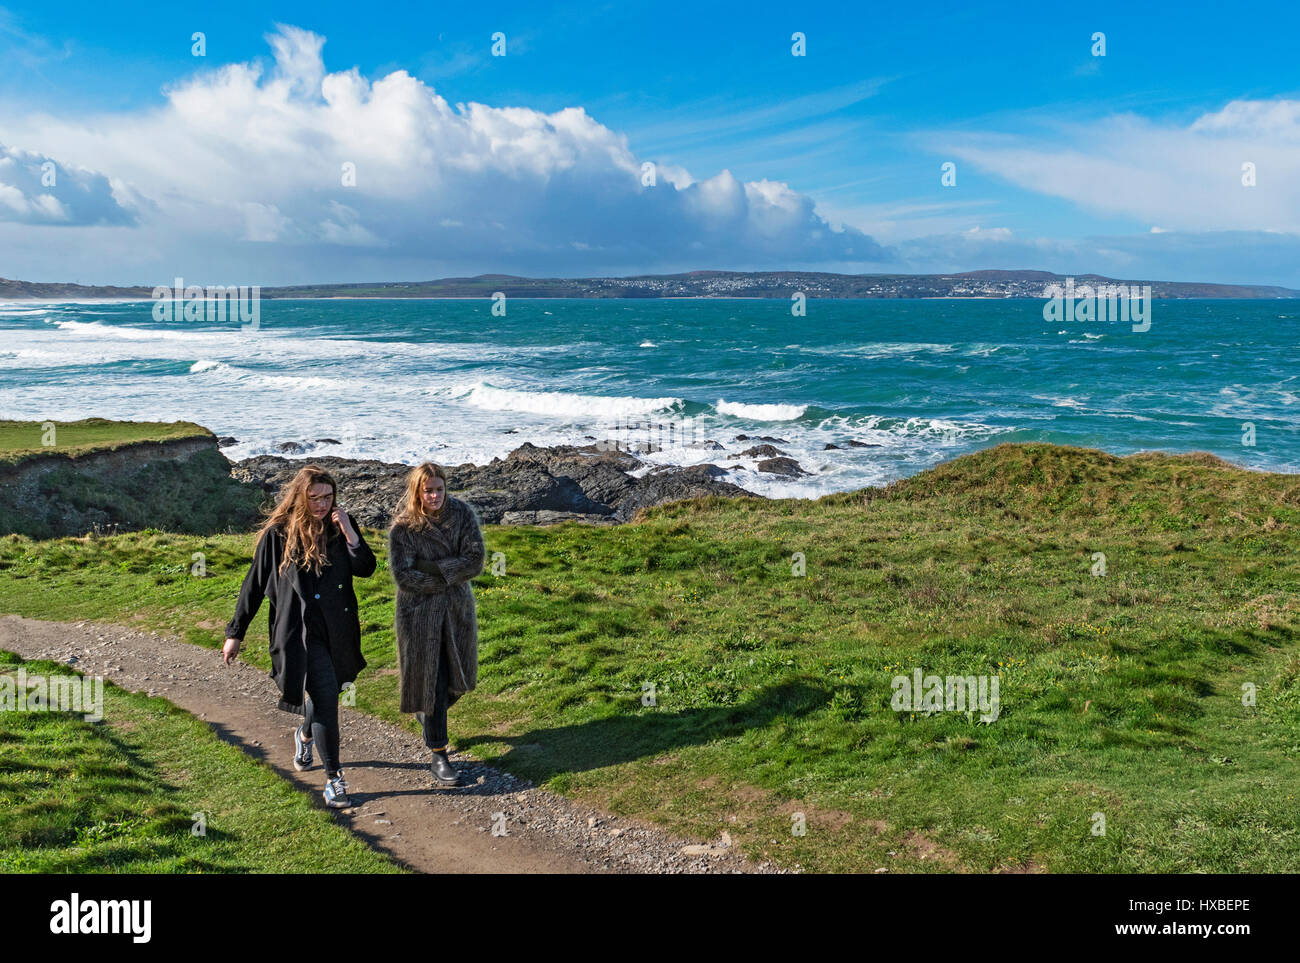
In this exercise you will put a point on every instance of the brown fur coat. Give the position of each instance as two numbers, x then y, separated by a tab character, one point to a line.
433	606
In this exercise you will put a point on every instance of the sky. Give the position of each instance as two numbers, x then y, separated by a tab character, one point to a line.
310	143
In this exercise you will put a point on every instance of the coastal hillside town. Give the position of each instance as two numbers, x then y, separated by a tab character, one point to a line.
694	284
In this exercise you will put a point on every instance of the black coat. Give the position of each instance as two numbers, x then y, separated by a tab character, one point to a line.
289	593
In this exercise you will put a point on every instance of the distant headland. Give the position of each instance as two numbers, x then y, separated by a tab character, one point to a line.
693	284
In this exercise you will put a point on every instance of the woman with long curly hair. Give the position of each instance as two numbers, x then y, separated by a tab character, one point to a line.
307	553
435	546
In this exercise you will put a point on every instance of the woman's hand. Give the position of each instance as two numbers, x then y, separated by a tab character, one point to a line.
345	526
230	650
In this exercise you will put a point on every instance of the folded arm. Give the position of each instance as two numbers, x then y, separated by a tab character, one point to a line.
468	560
405	568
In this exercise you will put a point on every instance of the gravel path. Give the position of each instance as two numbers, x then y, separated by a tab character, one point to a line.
396	808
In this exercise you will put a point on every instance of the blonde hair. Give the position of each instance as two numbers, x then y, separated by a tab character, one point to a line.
304	533
411	511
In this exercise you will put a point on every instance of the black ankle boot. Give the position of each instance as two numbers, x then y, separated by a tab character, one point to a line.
443	772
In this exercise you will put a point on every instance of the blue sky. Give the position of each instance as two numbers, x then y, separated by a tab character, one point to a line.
1128	164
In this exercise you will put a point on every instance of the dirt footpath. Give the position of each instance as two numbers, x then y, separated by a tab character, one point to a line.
395	806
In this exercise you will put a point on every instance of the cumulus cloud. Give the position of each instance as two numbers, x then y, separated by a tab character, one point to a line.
287	164
34	189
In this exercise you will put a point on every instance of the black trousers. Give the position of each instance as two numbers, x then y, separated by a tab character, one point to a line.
435	723
321	712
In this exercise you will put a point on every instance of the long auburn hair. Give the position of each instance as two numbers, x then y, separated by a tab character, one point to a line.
411	510
305	535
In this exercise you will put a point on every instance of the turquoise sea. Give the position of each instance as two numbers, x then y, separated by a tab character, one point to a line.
919	381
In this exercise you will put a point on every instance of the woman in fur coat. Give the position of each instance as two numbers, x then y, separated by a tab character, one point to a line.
435	547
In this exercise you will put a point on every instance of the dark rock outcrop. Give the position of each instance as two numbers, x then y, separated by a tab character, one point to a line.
781	466
531	485
671	483
760	451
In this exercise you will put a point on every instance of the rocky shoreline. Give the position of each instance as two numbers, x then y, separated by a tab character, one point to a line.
601	483
190	485
596	483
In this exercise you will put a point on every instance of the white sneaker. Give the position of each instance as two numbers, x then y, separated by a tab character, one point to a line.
336	792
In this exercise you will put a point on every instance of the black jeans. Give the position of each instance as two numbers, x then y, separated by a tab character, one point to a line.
435	723
321	713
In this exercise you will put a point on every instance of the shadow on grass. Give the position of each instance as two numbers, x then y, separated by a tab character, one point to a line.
541	754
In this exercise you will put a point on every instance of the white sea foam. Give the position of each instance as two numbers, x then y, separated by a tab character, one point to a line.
97	342
984	350
127	332
1059	401
559	403
737	409
883	349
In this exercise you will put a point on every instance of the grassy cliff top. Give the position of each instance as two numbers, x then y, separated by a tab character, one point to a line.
20	440
1043	485
1139	614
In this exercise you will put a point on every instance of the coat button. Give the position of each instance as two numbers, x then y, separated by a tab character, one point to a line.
340	586
345	608
318	594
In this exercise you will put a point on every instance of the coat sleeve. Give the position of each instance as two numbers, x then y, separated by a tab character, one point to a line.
468	560
251	593
401	563
363	559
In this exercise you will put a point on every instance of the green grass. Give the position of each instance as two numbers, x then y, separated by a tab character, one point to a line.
122	796
20	440
1120	694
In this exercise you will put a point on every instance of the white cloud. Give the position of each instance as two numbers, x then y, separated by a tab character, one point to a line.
1274	119
242	169
989	234
36	190
262	222
1183	177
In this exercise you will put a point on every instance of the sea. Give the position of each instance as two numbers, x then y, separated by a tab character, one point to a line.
911	382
